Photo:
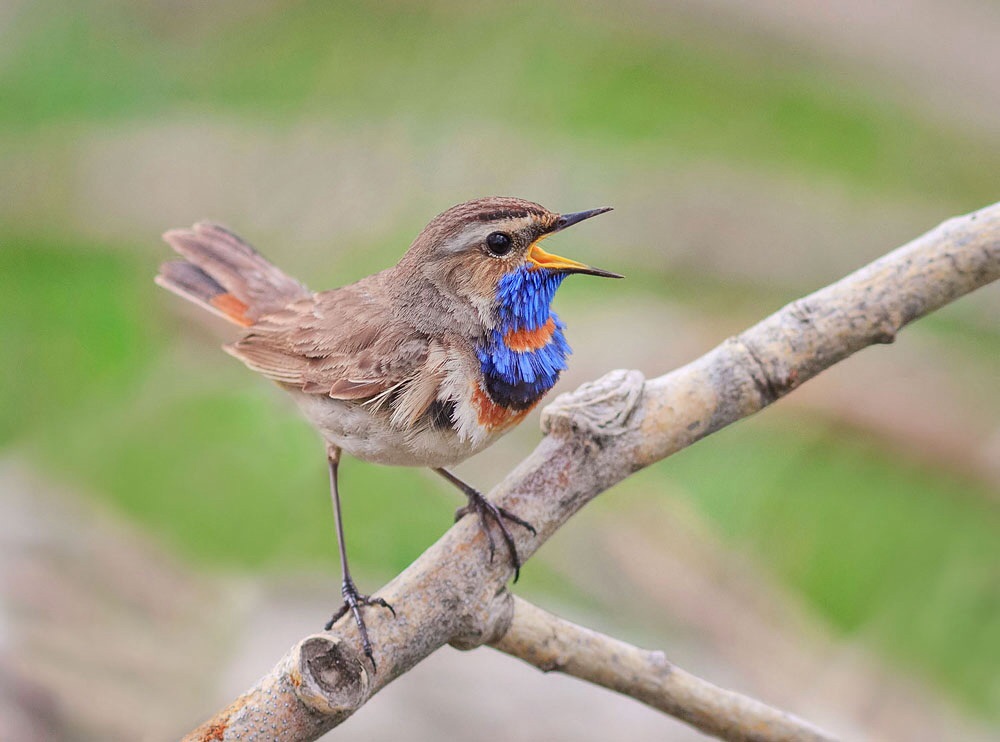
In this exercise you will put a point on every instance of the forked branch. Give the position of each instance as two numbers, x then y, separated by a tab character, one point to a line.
595	437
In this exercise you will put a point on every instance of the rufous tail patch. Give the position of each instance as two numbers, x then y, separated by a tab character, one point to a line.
232	307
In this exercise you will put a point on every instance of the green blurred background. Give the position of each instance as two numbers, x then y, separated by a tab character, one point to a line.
837	554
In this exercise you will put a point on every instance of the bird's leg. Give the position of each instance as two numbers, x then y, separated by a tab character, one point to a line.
353	600
486	510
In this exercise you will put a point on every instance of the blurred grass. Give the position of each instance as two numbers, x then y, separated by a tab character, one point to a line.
72	330
542	69
98	388
885	547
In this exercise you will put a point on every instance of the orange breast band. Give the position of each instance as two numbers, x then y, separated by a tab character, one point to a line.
493	416
522	340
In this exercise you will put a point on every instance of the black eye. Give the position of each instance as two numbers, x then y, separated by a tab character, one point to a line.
499	243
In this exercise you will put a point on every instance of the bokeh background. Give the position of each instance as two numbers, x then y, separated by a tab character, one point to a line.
164	518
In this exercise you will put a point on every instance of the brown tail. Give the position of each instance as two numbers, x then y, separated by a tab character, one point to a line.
225	275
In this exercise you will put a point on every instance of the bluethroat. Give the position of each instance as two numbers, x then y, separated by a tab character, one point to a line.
423	364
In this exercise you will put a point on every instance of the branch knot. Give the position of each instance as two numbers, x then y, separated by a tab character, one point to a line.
488	624
601	408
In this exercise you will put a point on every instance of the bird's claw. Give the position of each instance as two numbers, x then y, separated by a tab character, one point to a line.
354	602
487	510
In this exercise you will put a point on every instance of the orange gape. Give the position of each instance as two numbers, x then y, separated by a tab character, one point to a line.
523	340
232	307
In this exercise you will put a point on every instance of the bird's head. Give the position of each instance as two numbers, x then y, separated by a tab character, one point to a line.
488	252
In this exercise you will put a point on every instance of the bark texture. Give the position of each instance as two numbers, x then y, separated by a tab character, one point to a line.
595	437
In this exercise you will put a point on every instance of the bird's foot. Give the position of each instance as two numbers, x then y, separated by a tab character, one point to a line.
354	602
486	510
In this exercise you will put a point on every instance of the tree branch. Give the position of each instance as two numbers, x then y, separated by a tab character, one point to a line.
595	437
552	644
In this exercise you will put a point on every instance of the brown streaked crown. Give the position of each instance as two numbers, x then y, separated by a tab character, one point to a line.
490	209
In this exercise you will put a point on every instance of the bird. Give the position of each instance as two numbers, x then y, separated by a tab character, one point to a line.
423	364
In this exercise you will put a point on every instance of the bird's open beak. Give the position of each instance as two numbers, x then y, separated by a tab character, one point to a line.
538	258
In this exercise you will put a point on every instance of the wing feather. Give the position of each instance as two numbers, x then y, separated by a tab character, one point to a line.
345	344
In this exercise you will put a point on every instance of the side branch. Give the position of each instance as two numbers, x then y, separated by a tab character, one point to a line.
552	644
597	436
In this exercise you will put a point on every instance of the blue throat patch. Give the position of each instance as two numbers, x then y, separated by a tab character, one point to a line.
517	379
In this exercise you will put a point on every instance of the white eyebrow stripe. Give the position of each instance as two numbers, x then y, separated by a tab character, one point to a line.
477	232
470	234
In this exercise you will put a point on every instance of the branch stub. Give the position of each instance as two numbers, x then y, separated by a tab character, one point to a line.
332	677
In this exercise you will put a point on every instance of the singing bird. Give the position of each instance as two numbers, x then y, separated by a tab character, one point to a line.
423	364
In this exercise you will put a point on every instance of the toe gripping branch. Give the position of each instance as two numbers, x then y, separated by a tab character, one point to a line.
354	602
486	511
